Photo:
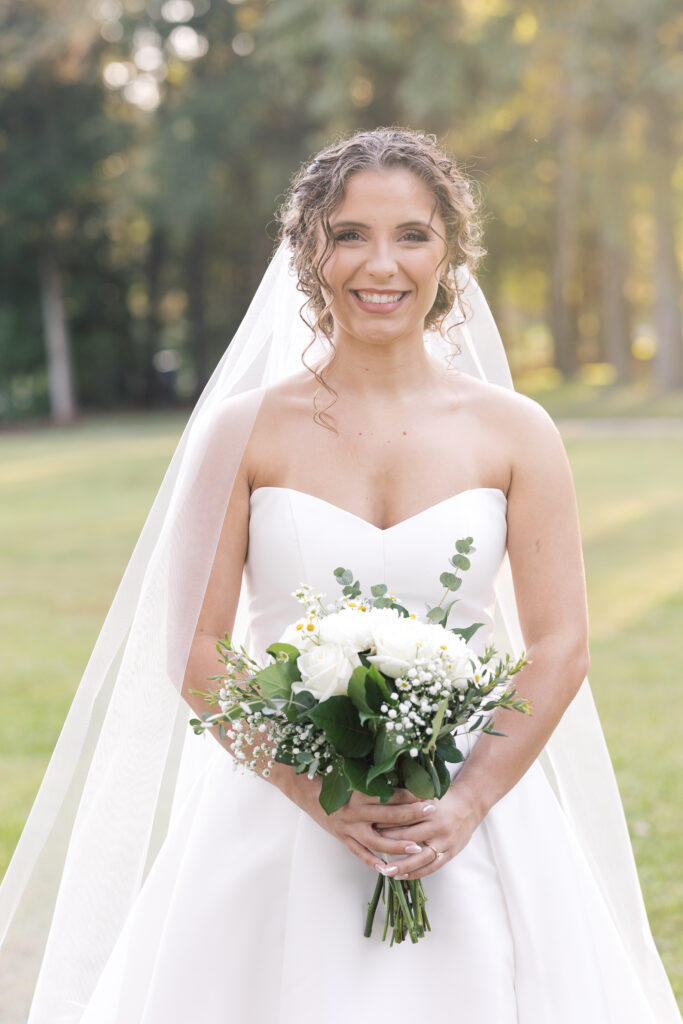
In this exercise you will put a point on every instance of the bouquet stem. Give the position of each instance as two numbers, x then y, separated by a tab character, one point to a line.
406	912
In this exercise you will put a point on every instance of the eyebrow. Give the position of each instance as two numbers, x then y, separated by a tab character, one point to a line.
359	224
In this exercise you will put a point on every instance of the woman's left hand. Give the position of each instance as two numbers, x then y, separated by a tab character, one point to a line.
446	829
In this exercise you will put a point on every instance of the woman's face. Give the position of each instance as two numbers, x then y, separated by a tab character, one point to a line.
384	269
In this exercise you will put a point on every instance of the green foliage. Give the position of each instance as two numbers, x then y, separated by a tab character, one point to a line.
341	723
162	219
335	790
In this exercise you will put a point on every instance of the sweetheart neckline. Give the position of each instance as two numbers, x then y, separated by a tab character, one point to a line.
360	519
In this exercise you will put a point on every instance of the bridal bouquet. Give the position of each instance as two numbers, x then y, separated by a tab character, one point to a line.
371	698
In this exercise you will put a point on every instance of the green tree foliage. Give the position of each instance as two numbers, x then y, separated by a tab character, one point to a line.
144	147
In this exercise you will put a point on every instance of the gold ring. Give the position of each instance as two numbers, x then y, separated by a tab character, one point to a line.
437	853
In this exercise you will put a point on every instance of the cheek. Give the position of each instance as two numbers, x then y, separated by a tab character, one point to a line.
333	274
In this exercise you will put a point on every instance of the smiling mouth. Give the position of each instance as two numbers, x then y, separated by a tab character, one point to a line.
378	302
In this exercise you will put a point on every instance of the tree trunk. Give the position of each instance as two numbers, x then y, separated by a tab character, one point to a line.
155	256
564	279
667	311
662	157
56	333
196	288
616	328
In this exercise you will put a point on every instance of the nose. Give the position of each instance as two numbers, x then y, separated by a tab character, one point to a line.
381	260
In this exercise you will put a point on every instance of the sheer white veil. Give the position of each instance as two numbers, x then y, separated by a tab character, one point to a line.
126	758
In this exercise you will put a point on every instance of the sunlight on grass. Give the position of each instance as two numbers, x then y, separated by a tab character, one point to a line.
72	503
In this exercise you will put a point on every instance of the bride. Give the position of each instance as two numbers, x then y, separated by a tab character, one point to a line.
153	883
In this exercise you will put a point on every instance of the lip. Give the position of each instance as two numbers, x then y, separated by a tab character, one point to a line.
376	307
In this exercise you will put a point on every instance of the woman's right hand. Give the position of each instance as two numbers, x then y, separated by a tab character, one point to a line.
354	823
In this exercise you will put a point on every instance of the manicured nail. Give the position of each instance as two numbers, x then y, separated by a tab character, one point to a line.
384	869
428	808
413	848
402	877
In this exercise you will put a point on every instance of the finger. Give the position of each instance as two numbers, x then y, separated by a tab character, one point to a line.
387	815
414	865
392	847
420	833
369	858
429	869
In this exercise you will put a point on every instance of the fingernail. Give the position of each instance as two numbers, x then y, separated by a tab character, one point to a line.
384	869
413	848
402	877
428	808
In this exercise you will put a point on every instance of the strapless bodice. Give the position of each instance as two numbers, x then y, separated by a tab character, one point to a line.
297	538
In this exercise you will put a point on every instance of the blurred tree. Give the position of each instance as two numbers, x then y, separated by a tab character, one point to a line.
163	134
662	91
52	124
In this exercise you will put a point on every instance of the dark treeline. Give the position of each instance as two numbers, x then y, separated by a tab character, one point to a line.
145	146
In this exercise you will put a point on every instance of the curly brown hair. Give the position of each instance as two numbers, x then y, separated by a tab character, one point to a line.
319	187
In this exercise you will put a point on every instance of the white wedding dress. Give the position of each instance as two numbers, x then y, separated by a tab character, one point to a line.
253	914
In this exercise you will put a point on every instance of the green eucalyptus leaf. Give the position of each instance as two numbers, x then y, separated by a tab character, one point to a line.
356	691
335	790
276	680
379	590
461	562
357	774
447	749
376	679
434	776
437	722
299	704
288	649
385	754
464	546
283	756
449	580
435	615
417	779
443	776
467	632
339	720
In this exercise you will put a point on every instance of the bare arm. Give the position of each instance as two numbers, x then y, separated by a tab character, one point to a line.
217	615
544	548
352	825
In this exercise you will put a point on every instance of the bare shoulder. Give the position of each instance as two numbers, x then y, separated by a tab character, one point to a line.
236	419
516	410
527	431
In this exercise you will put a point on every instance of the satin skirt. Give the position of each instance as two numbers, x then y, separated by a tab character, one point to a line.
254	914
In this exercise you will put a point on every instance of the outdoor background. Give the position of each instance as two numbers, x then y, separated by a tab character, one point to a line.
144	148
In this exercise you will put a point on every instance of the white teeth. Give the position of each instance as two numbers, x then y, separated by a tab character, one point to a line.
380	299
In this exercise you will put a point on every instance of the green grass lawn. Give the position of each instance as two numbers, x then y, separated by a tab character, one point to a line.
585	398
72	503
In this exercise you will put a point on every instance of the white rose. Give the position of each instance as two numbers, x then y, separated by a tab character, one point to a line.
395	640
325	671
348	628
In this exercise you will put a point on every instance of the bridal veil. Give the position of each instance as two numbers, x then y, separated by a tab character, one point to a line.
126	757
